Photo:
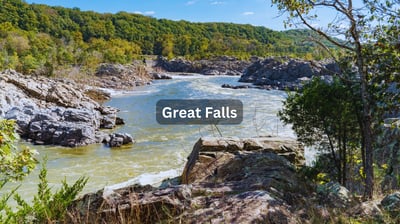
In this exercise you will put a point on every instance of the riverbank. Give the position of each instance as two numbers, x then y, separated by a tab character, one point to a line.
234	180
58	112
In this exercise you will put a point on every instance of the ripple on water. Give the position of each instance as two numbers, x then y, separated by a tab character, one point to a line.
160	150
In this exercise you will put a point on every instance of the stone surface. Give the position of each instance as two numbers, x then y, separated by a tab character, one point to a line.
391	203
222	65
237	181
55	112
334	194
119	139
286	73
209	153
117	76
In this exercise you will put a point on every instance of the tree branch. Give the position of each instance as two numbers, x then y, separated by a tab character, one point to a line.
322	33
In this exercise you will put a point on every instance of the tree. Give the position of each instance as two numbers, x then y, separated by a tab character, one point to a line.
323	114
355	24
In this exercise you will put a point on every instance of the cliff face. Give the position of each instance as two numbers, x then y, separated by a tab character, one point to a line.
58	112
285	73
223	65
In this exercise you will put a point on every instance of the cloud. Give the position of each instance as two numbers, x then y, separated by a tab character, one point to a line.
248	13
147	13
190	2
217	3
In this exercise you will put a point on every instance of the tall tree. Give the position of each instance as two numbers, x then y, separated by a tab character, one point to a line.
354	22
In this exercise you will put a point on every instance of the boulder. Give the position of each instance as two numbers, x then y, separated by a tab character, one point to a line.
209	153
158	76
391	203
118	139
334	194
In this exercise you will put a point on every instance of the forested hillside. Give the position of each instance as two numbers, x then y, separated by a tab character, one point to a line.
39	38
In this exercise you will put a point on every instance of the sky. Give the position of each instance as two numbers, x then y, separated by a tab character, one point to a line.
254	12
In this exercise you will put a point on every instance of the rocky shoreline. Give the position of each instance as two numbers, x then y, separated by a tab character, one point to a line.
286	73
231	180
58	112
273	73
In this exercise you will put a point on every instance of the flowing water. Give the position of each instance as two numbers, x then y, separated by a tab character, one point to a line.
160	151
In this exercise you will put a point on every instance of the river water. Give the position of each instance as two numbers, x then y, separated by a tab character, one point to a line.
160	151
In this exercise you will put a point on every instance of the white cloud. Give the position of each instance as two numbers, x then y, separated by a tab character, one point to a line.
217	3
147	13
191	2
248	13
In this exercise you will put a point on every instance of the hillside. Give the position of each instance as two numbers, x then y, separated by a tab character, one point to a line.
38	38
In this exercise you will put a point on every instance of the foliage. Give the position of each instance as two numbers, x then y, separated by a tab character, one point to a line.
371	30
33	36
15	164
323	114
46	207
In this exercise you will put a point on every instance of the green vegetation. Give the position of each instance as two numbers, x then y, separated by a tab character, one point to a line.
15	163
369	78
46	207
325	114
41	39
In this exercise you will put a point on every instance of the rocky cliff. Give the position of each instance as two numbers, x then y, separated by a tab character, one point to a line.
223	65
286	73
58	112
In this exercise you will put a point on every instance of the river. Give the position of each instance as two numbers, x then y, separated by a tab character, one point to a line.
160	151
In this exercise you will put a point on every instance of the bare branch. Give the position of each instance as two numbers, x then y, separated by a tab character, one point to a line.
323	34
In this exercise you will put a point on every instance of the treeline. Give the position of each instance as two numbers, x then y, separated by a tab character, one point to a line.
38	38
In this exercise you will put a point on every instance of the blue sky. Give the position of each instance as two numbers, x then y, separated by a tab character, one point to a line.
254	12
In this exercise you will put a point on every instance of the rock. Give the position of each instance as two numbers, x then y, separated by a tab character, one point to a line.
108	121
209	153
235	87
119	121
285	73
391	203
118	139
51	111
367	209
222	65
97	95
158	76
117	76
334	194
226	180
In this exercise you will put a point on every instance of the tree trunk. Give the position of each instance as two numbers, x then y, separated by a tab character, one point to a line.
366	127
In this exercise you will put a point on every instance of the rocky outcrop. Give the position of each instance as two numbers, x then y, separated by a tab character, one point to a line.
334	194
391	203
54	112
223	65
226	180
209	154
157	76
286	73
117	76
